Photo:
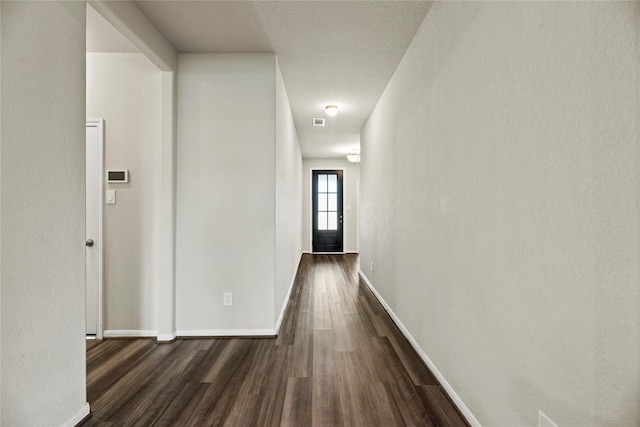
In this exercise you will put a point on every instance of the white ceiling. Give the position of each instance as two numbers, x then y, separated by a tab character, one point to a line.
330	52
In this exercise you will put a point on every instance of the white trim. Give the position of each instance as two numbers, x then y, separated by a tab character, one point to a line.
99	123
285	304
78	416
352	252
544	421
344	225
227	333
443	382
166	243
130	333
358	216
167	337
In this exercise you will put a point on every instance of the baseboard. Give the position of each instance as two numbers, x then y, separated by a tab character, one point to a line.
215	333
130	333
330	253
167	337
78	417
443	382
285	304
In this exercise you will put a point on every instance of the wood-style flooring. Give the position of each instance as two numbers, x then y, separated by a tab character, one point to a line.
339	361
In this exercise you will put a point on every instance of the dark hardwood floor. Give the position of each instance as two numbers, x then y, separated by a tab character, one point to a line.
339	360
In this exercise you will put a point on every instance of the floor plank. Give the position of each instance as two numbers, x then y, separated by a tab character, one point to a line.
339	361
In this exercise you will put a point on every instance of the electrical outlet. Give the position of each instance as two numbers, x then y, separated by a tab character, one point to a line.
227	298
371	268
544	421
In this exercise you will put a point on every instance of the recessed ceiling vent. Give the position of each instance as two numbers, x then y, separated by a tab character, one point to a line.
318	122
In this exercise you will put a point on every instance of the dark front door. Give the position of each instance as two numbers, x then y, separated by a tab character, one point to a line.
327	211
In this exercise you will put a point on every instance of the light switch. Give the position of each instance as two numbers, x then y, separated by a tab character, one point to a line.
348	207
111	197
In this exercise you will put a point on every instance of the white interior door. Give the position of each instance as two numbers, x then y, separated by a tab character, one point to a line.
93	248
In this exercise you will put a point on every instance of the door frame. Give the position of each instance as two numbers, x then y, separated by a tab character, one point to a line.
344	222
98	123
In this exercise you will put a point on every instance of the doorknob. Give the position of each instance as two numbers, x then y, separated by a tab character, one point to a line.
89	243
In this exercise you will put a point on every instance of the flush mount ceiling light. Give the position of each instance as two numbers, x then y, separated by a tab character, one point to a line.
354	157
331	110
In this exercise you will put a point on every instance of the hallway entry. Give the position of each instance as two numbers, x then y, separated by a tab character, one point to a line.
327	211
339	360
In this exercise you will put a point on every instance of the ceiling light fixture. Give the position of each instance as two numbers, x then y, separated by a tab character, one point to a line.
331	110
354	157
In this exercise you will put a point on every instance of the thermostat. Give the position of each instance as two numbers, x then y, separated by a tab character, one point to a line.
118	177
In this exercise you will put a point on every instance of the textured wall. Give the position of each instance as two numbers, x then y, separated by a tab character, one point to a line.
226	192
350	184
124	89
0	213
42	227
288	174
500	206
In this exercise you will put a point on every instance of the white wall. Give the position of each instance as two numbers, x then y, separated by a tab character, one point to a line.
226	218
42	221
288	233
0	214
350	191
500	206
125	90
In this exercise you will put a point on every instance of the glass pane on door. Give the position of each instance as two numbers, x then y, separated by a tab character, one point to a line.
322	183
322	202
333	221
322	220
333	183
333	202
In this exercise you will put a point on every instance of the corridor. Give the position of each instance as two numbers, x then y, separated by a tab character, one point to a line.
339	360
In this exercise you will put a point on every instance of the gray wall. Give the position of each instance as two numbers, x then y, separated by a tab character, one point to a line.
288	197
42	218
124	89
228	123
500	206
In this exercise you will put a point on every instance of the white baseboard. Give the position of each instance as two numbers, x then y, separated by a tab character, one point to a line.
167	337
79	416
331	253
227	333
443	382
130	333
285	304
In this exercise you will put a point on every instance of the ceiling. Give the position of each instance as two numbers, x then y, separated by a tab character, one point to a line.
330	52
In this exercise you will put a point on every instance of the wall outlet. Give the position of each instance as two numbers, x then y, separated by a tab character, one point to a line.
227	298
544	421
371	268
